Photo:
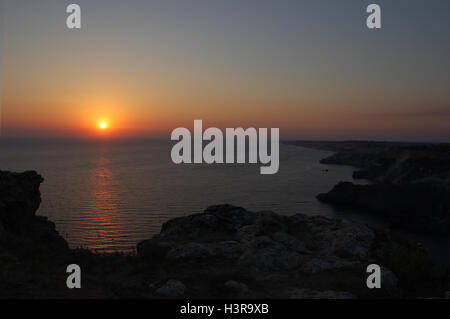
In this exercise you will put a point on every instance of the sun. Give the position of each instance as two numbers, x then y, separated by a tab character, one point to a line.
103	125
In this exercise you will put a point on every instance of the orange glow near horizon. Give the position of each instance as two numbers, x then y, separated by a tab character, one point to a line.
310	82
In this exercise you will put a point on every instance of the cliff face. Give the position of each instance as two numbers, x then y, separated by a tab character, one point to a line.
19	200
19	195
226	251
411	182
32	253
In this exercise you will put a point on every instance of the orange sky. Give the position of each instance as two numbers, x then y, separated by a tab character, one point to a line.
147	69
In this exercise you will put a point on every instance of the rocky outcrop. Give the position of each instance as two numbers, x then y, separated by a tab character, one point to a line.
19	195
19	226
286	256
32	253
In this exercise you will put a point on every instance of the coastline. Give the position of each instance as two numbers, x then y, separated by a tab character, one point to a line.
410	182
408	191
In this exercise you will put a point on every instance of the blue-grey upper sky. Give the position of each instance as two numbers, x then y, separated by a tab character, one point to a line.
312	68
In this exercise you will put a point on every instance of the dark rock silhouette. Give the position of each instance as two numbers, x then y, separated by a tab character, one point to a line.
410	182
19	226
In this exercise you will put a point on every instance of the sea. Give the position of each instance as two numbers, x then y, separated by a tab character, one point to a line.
108	195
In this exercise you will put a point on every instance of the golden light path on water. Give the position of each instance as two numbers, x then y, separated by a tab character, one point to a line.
102	216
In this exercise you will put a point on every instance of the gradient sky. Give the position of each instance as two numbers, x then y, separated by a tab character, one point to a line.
311	68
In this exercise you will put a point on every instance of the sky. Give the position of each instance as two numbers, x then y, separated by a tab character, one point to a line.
311	68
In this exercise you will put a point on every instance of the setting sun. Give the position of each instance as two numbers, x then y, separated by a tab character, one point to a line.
103	126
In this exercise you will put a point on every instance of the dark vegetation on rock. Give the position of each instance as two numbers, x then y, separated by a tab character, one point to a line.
225	251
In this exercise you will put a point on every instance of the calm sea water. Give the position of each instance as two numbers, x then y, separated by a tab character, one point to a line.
109	195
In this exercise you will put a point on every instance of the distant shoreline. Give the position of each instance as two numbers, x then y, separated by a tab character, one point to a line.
411	182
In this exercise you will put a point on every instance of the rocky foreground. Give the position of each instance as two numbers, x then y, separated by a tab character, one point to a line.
225	251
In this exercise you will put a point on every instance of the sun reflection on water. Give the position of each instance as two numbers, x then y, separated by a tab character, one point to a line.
102	209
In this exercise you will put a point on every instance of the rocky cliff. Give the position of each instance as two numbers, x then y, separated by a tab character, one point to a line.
410	182
19	226
298	256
